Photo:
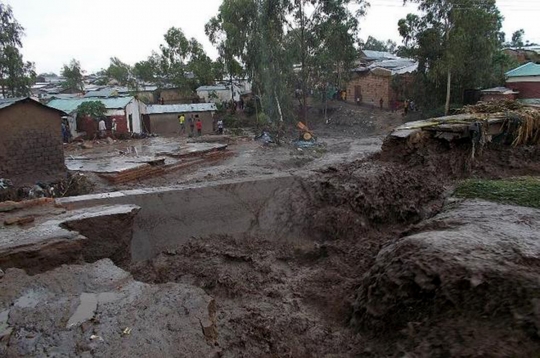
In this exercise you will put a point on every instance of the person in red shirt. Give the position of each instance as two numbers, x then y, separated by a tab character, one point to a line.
198	125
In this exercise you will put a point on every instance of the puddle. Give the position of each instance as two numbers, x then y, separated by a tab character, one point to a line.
85	311
29	300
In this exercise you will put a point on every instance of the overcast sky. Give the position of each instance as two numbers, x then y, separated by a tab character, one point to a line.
92	31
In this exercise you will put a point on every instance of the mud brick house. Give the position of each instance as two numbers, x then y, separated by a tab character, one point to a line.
163	119
524	54
498	94
127	111
31	148
526	80
372	79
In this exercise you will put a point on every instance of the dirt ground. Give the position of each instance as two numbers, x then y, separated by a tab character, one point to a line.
390	263
352	133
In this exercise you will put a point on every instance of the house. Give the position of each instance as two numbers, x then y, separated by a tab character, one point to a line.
222	92
526	80
524	54
127	111
372	80
31	147
163	119
498	94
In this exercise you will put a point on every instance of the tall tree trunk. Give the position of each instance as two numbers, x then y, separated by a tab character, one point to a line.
449	78
448	87
304	75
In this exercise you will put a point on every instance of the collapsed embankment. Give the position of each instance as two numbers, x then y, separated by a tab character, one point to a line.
353	261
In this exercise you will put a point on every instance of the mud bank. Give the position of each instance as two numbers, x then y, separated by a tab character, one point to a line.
465	283
58	237
459	158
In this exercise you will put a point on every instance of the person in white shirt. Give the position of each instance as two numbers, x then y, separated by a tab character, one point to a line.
113	128
102	128
220	126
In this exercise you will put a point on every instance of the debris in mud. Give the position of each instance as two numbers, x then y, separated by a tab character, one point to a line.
464	283
265	138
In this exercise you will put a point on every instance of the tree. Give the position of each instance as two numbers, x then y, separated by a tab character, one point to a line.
518	40
73	76
272	37
16	75
120	72
376	45
455	41
93	109
147	70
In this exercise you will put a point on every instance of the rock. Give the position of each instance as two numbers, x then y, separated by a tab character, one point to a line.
86	145
111	315
110	140
19	220
1	273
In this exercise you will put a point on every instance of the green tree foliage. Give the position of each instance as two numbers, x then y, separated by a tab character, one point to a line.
518	40
149	69
457	44
16	75
376	45
119	71
93	109
73	76
285	45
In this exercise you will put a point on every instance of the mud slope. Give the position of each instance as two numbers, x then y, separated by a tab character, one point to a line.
456	159
465	283
366	196
278	298
98	310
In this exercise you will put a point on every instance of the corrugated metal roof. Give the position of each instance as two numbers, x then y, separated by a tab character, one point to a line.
378	55
105	92
500	90
213	88
535	49
6	102
397	66
70	105
181	108
528	69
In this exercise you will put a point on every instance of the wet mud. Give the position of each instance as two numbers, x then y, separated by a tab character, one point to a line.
387	264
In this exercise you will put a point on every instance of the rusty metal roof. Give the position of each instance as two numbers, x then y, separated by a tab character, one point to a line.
181	108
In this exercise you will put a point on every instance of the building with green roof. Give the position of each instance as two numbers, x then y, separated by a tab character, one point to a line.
526	80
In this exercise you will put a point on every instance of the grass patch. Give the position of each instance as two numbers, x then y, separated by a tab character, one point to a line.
516	191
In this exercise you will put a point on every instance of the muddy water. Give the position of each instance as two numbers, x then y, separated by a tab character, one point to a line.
85	311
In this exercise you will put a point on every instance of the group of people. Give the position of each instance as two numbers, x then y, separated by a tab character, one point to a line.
102	128
196	124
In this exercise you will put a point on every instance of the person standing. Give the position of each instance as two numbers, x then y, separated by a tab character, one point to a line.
199	127
102	128
182	121
381	103
191	124
220	126
114	128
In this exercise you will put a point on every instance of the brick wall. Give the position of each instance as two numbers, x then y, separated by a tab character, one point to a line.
373	87
525	89
31	148
167	123
497	97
